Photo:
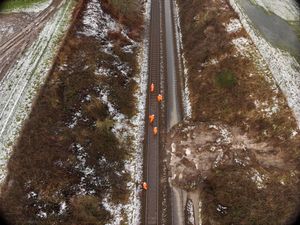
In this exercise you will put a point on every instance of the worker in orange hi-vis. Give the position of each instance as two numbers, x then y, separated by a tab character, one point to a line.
145	186
151	118
159	98
152	87
155	130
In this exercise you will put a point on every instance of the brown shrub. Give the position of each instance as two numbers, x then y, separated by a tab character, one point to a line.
47	160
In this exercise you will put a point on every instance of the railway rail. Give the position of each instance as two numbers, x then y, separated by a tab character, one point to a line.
152	141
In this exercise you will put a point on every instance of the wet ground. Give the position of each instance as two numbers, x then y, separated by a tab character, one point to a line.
12	23
275	29
20	36
174	114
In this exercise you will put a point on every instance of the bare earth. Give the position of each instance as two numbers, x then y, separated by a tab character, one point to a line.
19	34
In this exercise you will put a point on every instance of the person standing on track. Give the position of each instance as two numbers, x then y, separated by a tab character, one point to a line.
145	186
152	87
159	98
151	118
155	130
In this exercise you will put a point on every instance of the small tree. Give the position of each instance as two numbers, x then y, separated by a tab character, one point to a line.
226	79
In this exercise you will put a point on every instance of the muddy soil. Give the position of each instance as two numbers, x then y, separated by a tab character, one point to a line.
13	23
200	153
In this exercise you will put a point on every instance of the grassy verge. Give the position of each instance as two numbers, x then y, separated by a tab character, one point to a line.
240	202
68	159
235	89
128	13
9	5
205	39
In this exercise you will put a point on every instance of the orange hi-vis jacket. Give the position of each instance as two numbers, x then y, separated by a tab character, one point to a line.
155	130
159	98
145	186
152	87
151	118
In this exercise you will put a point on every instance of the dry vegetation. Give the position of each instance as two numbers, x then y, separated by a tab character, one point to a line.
205	39
229	88
240	180
128	12
52	161
243	203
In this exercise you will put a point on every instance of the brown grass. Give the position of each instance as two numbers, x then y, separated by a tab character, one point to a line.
127	12
245	204
204	39
45	158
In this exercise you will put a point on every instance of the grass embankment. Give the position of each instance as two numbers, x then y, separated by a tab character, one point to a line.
9	5
227	90
127	12
55	163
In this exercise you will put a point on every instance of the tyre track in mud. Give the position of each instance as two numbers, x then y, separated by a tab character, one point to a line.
11	50
10	101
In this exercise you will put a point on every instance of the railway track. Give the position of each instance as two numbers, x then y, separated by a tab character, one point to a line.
152	215
174	108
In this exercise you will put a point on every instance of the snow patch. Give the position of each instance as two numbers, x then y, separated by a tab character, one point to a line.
241	44
190	212
182	68
233	26
123	127
258	179
62	208
286	9
221	209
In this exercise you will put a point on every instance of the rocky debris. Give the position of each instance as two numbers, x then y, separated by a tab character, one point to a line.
196	149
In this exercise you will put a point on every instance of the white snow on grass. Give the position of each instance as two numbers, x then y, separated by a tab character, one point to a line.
33	8
182	67
93	26
286	9
258	179
267	109
200	213
284	68
210	62
123	127
83	169
19	86
75	118
233	26
42	214
221	209
62	208
190	212
241	43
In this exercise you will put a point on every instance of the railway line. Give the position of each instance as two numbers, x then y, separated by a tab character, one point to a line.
152	147
161	14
